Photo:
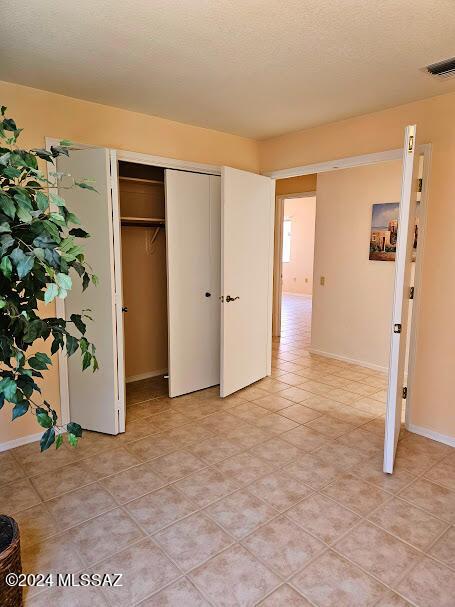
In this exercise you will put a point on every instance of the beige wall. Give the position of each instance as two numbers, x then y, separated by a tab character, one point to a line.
352	310
433	398
43	114
298	272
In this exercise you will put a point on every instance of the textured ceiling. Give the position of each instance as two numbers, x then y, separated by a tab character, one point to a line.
253	67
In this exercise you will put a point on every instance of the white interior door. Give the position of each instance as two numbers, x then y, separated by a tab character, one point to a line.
403	262
95	400
247	219
193	266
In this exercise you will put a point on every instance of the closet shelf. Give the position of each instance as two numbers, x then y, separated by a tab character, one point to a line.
147	222
139	180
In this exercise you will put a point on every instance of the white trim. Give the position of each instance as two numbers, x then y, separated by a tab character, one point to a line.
354	361
307	295
18	442
297	195
147	375
168	163
436	436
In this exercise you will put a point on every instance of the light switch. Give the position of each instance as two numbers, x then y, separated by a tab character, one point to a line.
322	281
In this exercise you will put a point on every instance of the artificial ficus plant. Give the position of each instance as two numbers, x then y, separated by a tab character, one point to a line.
38	249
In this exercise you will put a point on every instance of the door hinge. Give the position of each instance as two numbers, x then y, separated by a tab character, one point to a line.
411	143
411	293
419	184
397	328
404	394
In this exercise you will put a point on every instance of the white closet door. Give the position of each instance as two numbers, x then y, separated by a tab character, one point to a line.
247	209
193	265
95	399
403	262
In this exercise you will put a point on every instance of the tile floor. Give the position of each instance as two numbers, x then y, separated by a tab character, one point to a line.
272	497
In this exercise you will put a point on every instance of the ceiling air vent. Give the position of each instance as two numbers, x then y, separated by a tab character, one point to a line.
442	69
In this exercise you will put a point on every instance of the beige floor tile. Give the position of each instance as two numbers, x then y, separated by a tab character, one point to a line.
272	385
10	470
132	483
312	470
240	513
285	596
444	472
295	395
64	479
248	435
378	552
292	379
330	581
342	395
110	462
68	597
17	496
366	442
104	535
181	593
410	524
244	468
429	585
167	419
304	438
322	517
206	486
159	509
282	546
176	465
431	497
280	490
35	524
145	569
216	449
190	433
329	426
391	599
252	393
78	506
444	548
275	424
371	470
248	411
272	402
234	578
276	452
192	541
148	448
300	413
355	494
32	461
339	455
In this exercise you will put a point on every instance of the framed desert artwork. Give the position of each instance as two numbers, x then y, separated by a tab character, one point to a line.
384	230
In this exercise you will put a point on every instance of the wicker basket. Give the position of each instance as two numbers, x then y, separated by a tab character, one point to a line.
10	562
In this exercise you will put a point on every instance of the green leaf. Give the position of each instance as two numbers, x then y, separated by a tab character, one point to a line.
25	265
64	281
79	323
42	201
71	345
57	200
75	429
33	331
86	360
85	186
79	233
51	292
7	205
24	214
85	281
8	388
20	409
72	440
9	124
39	362
47	439
6	267
3	303
44	419
59	441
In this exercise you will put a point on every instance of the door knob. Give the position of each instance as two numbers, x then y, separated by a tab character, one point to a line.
208	294
229	298
124	309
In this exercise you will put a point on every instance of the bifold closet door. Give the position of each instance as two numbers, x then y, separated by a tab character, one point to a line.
247	211
403	262
193	265
95	400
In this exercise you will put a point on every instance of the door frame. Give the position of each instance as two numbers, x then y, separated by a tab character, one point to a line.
425	150
277	258
127	156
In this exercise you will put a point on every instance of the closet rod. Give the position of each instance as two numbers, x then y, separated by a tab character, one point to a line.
156	222
138	179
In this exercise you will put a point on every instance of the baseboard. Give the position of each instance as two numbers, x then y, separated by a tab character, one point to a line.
147	375
307	295
440	438
346	359
18	442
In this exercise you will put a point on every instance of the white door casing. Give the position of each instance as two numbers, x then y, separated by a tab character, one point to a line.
95	399
403	261
193	267
247	240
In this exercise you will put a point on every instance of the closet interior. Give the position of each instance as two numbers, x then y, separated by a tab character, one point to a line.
144	283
